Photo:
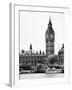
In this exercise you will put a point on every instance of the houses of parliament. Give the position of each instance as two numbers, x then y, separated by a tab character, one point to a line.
34	58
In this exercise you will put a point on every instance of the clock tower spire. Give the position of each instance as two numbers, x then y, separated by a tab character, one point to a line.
49	38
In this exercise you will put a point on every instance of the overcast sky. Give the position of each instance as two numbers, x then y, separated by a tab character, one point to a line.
33	26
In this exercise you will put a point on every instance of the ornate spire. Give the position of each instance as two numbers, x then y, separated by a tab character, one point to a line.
30	46
49	29
49	21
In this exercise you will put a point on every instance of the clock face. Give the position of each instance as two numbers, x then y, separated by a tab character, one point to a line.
51	36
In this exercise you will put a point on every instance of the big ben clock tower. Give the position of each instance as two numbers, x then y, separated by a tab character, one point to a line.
49	38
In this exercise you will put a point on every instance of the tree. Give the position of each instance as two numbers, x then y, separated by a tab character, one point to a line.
52	60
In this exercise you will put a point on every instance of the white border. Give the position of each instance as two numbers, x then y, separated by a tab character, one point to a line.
14	62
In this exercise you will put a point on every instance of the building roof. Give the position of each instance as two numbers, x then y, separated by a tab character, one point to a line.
62	49
50	29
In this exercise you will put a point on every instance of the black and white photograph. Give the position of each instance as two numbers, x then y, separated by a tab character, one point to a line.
41	44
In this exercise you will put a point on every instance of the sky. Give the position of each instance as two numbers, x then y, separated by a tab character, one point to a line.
33	26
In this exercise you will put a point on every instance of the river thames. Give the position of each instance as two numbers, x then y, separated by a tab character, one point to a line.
33	76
